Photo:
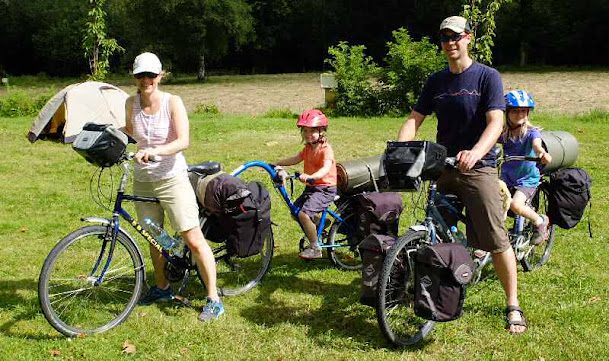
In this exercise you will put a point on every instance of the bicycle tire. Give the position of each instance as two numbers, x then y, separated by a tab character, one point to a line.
342	252
394	309
538	255
234	275
70	300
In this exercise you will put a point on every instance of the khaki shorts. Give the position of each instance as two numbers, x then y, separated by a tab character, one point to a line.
177	199
479	192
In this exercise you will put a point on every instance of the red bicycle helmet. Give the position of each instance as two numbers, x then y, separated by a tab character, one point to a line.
313	118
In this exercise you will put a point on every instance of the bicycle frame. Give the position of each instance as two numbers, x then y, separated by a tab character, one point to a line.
294	210
114	224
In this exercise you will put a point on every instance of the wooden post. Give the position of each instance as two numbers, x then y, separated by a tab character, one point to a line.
328	85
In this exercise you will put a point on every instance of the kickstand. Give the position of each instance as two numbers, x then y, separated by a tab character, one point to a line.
179	296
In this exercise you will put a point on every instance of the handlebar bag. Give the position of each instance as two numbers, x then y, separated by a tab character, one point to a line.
100	144
406	163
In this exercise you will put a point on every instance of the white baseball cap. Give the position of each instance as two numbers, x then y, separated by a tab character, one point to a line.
147	63
458	24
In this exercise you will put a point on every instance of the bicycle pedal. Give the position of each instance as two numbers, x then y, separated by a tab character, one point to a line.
183	300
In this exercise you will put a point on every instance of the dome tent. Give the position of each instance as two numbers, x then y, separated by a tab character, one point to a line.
66	112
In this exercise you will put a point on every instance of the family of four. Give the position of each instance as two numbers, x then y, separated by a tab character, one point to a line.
466	97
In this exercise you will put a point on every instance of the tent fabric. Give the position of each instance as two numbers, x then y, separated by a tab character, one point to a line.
64	115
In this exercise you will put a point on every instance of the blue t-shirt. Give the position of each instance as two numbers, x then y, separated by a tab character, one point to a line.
460	102
521	173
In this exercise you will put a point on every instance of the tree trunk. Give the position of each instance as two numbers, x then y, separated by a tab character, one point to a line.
201	72
523	53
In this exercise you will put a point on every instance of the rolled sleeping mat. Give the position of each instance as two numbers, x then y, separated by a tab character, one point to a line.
359	175
562	146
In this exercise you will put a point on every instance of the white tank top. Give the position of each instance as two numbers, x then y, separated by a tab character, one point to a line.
153	130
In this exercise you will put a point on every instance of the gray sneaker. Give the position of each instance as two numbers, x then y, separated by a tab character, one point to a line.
211	311
540	233
311	253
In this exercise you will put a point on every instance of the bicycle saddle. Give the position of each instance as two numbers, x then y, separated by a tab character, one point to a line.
205	168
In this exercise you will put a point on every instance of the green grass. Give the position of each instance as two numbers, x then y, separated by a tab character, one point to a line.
301	310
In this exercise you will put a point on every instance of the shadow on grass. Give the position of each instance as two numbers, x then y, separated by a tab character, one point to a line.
340	320
21	309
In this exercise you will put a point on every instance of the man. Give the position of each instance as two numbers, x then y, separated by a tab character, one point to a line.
467	98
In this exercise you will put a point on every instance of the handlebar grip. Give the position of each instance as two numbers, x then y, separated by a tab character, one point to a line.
451	162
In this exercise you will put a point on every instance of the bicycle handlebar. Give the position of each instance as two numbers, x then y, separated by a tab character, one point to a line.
520	158
151	158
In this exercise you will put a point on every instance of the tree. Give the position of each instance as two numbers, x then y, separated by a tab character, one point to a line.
188	33
97	46
481	14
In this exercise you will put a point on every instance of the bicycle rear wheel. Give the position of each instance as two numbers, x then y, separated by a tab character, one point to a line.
394	309
538	255
238	275
343	253
71	300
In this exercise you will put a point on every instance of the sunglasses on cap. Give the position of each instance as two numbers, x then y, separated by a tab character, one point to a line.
145	75
445	38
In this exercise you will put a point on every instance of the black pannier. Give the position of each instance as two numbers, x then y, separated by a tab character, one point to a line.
568	196
378	213
373	250
407	163
442	272
239	213
101	144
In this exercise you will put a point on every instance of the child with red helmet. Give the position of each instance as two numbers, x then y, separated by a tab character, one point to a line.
319	175
521	138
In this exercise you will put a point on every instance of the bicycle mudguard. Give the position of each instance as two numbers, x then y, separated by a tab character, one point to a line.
107	222
418	227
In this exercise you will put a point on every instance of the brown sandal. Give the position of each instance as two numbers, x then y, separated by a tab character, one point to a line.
522	322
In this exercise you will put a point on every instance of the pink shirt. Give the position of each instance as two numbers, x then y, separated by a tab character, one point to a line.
314	161
152	130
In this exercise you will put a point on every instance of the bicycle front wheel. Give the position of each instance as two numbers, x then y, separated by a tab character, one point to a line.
70	294
342	251
538	255
236	275
394	310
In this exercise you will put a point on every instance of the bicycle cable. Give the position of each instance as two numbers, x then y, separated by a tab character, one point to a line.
99	197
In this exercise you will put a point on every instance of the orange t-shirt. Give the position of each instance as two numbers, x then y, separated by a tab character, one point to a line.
314	161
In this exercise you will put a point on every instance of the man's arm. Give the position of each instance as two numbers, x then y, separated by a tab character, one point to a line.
494	126
410	126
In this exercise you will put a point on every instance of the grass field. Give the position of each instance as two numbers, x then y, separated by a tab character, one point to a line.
306	311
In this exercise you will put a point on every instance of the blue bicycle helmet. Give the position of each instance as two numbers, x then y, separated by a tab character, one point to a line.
519	99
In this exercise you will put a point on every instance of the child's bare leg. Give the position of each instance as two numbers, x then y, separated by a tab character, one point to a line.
519	207
309	228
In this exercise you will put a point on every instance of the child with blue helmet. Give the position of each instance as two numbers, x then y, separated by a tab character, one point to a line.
521	138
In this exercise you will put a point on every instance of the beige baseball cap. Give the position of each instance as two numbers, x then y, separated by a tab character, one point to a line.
458	24
147	63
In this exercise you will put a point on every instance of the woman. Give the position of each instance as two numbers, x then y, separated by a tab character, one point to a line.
159	123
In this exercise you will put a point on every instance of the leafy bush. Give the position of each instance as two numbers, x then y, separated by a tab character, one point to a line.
209	109
364	89
19	103
410	63
355	76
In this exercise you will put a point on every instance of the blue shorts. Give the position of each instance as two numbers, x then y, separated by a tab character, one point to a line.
529	192
315	199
